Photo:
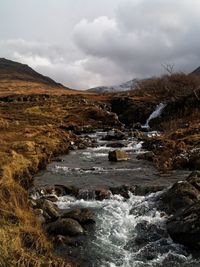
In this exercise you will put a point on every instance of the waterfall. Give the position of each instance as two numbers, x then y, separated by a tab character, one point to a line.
156	113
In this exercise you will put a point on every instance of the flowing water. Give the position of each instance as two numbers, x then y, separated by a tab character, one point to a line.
127	233
156	113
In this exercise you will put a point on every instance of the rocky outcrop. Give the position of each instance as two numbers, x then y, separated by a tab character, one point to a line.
183	201
184	226
130	110
179	196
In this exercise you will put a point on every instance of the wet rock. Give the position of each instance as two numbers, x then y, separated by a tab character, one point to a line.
194	179
92	194
142	190
86	194
102	193
51	198
146	156
115	145
180	195
40	215
184	226
147	232
49	209
114	135
62	190
65	226
117	155
123	190
83	216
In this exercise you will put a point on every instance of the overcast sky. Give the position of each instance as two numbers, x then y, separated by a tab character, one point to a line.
86	43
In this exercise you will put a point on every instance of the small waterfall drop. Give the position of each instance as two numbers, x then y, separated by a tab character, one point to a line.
156	113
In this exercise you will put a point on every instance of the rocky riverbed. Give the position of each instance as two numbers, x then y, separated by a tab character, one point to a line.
121	213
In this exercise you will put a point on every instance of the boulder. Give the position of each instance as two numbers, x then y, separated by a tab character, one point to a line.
49	209
98	194
102	193
83	216
184	226
65	226
62	190
123	190
114	135
180	195
86	194
117	155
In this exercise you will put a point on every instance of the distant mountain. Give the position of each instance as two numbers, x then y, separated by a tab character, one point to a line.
115	88
11	70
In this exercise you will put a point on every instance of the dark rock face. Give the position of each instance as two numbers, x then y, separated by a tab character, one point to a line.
184	226
183	200
117	155
65	227
130	111
179	196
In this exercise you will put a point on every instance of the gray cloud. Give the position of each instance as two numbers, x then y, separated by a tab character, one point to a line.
97	43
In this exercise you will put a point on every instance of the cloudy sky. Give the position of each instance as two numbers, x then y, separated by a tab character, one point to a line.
86	43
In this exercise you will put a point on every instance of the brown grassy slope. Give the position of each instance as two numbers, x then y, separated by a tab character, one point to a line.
17	78
32	133
180	120
34	113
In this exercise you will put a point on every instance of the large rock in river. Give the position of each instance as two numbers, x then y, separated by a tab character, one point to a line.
65	227
83	216
179	196
184	226
117	155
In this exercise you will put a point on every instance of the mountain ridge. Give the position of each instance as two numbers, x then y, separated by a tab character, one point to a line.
17	71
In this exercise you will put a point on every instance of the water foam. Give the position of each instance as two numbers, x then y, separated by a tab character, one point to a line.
130	233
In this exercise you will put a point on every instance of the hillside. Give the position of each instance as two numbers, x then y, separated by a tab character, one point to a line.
17	78
17	71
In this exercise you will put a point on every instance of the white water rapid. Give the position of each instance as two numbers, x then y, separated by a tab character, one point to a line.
129	233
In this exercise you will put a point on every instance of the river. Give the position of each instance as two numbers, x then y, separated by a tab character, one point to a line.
128	232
